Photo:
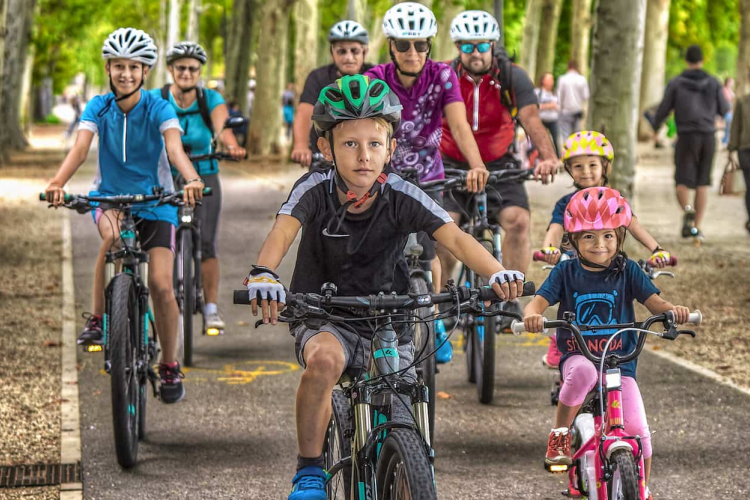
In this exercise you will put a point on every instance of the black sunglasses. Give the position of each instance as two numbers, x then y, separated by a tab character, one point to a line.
192	69
419	46
341	51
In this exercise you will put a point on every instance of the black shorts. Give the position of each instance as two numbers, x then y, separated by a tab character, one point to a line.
499	196
151	233
693	159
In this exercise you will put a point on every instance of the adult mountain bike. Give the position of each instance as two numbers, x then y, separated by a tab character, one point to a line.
129	334
378	441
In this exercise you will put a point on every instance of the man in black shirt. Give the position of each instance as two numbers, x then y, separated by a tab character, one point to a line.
355	219
348	41
697	99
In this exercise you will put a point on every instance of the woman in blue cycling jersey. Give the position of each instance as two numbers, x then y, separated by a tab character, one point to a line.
201	112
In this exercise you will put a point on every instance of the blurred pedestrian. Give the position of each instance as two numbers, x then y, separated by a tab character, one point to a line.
287	103
549	108
728	90
572	94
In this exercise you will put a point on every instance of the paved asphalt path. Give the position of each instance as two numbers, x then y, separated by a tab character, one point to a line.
233	436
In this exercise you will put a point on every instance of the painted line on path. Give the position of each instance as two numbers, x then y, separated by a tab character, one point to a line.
70	435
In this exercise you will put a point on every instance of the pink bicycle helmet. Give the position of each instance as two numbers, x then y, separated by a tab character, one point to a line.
597	208
588	142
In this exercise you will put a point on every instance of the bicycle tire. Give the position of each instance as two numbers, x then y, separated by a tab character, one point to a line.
124	332
624	482
424	342
483	351
403	469
337	445
188	294
143	381
466	322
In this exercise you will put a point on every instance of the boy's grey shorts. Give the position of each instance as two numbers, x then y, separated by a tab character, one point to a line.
356	348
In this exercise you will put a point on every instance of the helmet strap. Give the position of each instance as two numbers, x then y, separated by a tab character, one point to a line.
123	97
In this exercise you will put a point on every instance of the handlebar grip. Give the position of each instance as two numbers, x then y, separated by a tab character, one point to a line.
207	192
242	297
517	327
695	318
67	198
529	289
539	256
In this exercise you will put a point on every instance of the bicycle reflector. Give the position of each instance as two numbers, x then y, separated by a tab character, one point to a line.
614	380
212	332
93	348
557	468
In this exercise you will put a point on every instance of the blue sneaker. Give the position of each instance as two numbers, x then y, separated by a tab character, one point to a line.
309	484
445	350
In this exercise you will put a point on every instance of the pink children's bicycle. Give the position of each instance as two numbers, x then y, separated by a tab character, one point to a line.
608	463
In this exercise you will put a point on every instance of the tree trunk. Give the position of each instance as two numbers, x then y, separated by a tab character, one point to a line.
530	39
265	127
743	59
306	43
580	34
616	81
19	16
545	54
377	39
238	53
3	13
654	61
173	33
193	27
443	48
159	72
500	18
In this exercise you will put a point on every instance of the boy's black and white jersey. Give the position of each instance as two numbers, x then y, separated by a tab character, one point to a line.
370	259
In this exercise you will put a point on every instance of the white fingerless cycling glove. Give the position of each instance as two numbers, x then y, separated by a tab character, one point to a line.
264	284
501	277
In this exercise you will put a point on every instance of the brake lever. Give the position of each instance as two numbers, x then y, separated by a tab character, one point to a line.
656	274
686	332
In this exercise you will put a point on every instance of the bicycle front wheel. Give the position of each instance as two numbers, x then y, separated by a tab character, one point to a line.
337	446
483	353
403	470
185	269
126	390
424	343
624	482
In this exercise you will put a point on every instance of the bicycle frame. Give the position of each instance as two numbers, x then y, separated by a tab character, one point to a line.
188	222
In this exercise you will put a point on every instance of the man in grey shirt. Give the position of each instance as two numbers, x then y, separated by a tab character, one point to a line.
572	93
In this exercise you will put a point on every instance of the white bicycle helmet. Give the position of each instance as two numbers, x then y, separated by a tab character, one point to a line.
187	49
474	25
130	43
409	20
348	31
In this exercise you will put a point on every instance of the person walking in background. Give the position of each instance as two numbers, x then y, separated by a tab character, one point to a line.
549	108
696	98
728	90
739	141
572	93
240	133
287	103
75	103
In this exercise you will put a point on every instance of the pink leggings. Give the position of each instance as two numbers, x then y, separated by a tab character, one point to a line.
579	378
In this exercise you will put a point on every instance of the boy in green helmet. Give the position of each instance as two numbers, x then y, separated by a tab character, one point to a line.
355	220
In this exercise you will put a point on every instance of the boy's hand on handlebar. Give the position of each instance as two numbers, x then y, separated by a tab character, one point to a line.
681	314
534	323
193	191
476	179
263	286
55	194
508	284
237	152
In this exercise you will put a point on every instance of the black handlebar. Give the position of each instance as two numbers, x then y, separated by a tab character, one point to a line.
75	200
388	302
221	156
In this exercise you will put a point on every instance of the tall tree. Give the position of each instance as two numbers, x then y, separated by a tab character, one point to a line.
265	126
3	14
443	46
239	52
193	28
306	40
530	38
545	54
743	60
654	61
173	33
500	17
580	34
18	19
616	81
159	77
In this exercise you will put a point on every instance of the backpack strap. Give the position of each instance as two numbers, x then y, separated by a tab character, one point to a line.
203	108
165	92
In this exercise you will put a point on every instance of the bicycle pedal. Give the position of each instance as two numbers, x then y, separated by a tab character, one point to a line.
556	468
92	348
214	332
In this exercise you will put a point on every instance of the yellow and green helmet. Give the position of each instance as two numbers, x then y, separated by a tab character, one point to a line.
354	97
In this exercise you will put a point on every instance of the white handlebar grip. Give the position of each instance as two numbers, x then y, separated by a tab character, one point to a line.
695	318
517	327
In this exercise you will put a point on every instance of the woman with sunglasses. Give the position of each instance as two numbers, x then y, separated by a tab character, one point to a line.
348	41
201	111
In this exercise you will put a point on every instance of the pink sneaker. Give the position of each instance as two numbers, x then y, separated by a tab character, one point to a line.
552	358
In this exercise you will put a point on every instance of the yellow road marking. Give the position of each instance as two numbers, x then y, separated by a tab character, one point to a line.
242	373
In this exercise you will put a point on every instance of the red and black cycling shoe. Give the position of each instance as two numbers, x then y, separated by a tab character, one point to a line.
92	333
171	389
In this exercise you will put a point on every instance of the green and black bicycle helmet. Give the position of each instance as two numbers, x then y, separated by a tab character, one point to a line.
353	98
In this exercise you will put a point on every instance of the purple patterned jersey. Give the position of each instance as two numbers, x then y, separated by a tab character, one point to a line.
418	136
